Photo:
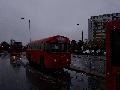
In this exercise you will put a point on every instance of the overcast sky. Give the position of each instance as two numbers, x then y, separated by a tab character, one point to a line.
50	17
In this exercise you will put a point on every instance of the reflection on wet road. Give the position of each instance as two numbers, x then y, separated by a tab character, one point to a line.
23	77
18	77
13	78
47	82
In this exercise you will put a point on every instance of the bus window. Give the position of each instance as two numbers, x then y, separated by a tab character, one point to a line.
115	47
55	47
67	47
59	47
42	46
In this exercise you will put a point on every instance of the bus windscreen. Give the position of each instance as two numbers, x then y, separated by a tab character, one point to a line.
57	47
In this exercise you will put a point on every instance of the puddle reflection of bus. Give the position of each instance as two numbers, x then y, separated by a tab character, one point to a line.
49	54
113	55
48	81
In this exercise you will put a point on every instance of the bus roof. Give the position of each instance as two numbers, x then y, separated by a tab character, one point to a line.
51	39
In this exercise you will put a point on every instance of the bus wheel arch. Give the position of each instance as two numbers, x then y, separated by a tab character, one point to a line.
42	62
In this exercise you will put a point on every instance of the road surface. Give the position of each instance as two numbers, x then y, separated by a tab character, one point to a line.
22	77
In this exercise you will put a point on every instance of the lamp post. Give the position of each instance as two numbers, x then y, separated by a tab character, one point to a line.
82	33
28	28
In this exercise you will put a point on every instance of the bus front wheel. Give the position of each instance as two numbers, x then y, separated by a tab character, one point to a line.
41	64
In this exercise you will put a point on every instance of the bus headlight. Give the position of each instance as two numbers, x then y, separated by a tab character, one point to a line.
55	60
14	57
67	60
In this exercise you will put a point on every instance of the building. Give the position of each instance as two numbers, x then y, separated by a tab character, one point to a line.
96	29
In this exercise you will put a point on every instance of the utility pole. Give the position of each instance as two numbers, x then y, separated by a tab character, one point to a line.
29	27
82	32
82	35
29	30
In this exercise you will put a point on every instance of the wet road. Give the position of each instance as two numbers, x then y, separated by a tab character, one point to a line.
90	64
22	77
13	78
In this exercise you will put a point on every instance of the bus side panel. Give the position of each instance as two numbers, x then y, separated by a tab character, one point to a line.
111	83
34	55
112	71
57	60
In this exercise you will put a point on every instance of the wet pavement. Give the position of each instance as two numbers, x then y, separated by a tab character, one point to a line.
23	77
90	64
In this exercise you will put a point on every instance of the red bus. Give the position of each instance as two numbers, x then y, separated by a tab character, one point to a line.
113	55
51	53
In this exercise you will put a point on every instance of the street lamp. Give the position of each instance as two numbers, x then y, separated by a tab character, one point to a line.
28	28
82	32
